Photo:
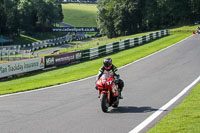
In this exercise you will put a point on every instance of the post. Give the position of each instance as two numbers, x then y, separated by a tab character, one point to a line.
1	50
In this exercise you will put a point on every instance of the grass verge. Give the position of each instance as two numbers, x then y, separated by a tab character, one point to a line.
100	42
185	118
36	37
86	69
80	15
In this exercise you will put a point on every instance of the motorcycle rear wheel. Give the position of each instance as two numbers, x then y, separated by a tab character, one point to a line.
104	103
116	104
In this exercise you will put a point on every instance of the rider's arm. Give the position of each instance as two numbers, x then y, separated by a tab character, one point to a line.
100	73
116	73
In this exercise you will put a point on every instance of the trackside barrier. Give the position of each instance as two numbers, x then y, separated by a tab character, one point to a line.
61	59
122	45
23	66
48	43
10	50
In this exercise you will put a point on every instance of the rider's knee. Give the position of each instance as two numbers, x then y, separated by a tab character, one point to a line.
121	84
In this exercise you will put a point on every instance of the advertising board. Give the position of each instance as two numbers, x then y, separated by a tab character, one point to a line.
75	29
13	68
62	59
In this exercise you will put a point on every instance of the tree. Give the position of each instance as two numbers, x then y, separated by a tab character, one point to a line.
105	17
26	15
121	17
126	19
9	16
195	10
118	17
2	16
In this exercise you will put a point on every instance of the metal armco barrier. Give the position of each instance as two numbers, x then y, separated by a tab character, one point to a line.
122	45
13	68
48	43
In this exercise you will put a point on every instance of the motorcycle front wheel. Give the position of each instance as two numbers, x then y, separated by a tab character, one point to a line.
104	103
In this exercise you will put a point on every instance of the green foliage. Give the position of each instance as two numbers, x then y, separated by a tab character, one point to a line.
122	17
9	16
27	15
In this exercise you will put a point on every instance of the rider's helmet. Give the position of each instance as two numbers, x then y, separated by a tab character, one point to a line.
107	63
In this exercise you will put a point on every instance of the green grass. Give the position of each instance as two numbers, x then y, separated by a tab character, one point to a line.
80	15
104	40
30	38
101	41
82	70
184	29
3	61
183	119
36	37
23	39
48	35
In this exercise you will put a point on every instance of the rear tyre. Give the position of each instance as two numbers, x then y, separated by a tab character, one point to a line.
104	103
116	103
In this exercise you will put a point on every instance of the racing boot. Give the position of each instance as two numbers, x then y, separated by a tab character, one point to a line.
96	87
120	95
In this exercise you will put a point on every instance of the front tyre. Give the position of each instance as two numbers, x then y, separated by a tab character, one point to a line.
104	103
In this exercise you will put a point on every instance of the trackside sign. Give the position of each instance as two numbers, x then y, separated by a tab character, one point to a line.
61	59
8	69
75	29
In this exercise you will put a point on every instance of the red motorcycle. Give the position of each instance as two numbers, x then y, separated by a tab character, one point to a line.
108	92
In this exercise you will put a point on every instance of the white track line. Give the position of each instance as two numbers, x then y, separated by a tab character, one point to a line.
156	52
93	76
150	118
163	108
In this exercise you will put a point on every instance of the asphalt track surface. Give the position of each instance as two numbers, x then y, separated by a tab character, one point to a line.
74	107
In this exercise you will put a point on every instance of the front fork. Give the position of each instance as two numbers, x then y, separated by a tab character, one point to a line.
107	93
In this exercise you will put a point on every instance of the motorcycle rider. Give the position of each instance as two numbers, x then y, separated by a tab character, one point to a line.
108	66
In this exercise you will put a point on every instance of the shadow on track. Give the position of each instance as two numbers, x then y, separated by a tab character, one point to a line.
131	109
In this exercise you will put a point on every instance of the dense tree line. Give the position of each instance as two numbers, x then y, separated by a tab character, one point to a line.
121	17
27	15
